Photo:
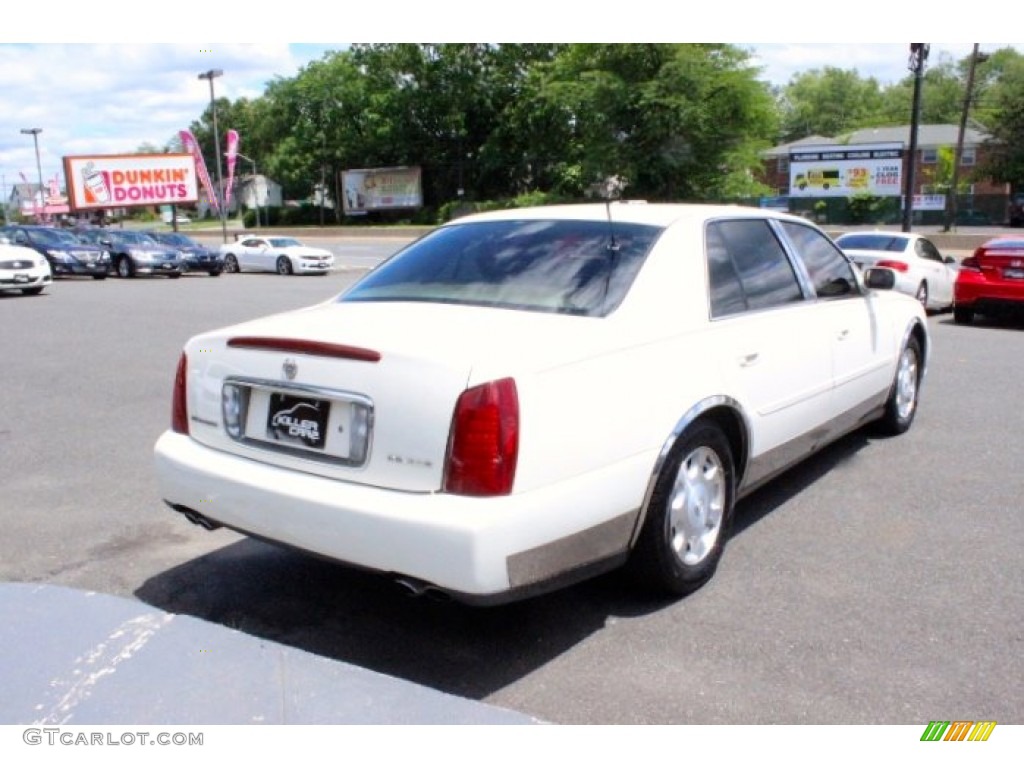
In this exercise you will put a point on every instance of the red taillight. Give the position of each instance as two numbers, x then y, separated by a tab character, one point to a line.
179	407
896	266
484	442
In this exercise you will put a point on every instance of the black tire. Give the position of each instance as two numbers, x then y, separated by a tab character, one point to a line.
231	264
696	488
175	275
901	405
125	268
963	315
284	265
99	277
33	291
215	273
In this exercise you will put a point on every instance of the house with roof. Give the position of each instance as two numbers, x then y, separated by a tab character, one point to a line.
823	174
24	197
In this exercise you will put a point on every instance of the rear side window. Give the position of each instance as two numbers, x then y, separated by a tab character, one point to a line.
927	250
873	242
572	267
830	272
747	268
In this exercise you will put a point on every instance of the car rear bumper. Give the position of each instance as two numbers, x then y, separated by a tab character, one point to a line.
483	550
974	290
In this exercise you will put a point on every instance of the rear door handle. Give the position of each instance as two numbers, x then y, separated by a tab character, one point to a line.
748	359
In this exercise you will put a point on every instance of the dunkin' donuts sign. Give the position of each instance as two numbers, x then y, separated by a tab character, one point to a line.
121	181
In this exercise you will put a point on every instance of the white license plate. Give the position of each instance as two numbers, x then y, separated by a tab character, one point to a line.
1013	274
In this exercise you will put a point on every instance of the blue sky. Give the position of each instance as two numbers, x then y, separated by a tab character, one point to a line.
107	98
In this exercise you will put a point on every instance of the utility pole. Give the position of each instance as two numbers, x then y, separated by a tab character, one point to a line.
210	75
951	195
918	56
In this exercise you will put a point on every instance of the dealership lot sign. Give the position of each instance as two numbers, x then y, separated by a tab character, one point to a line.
120	181
842	170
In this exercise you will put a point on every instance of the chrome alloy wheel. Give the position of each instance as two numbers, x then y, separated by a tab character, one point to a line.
696	506
906	383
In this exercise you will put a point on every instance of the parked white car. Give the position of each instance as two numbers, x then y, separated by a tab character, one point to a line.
284	255
23	269
523	399
921	271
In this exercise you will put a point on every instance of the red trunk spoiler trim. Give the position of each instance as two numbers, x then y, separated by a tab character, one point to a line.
305	347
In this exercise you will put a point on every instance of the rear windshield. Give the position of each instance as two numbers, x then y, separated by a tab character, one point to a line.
571	267
873	242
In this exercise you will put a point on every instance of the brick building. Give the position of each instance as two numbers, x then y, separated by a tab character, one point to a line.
980	198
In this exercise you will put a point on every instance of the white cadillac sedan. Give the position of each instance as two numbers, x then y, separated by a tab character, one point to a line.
523	399
920	270
284	255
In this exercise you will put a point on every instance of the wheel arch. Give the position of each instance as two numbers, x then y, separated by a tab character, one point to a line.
724	412
917	330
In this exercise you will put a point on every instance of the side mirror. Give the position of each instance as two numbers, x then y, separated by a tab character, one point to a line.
950	260
880	278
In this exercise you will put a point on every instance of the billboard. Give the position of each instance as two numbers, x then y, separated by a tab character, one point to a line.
842	170
122	181
381	189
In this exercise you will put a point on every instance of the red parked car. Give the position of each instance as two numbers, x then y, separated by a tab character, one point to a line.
990	281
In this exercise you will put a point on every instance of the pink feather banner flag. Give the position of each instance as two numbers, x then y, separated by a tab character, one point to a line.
232	155
191	146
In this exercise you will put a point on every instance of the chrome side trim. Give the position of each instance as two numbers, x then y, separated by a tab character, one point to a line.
580	549
695	412
776	461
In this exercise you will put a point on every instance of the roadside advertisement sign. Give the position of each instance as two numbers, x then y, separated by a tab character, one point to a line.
381	189
123	181
929	202
842	170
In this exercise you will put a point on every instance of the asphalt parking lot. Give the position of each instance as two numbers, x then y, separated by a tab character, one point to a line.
878	582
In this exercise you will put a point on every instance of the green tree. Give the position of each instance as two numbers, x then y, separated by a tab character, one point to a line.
676	121
942	95
1005	156
829	102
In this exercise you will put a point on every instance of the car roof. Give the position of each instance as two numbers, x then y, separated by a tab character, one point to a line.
881	232
1005	241
629	212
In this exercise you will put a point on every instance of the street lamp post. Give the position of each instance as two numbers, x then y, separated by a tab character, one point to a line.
39	168
210	74
918	56
255	188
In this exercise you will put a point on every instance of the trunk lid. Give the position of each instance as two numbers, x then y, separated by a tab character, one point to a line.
306	383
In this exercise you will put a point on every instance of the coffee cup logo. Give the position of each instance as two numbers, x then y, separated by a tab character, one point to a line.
97	191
